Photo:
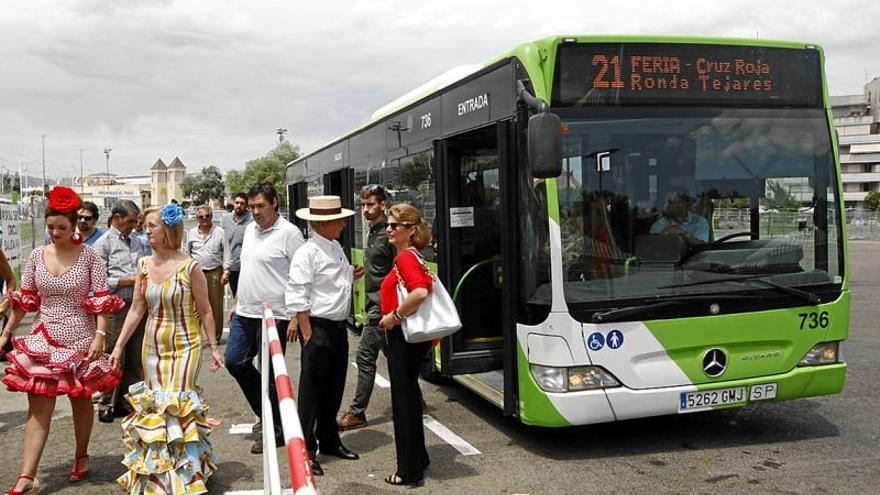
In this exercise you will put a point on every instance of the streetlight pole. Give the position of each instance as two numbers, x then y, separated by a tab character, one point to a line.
82	179
107	154
44	165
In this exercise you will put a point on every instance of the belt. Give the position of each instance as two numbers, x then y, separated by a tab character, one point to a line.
325	323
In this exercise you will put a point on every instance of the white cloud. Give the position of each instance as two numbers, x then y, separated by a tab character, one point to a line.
209	81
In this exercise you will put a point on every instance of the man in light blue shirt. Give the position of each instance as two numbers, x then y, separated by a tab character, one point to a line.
120	249
676	219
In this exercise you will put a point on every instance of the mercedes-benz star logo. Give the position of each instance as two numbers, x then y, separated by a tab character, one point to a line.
714	362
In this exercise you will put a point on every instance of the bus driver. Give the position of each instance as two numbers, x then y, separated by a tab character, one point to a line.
677	219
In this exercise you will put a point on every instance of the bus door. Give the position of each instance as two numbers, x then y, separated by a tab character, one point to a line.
470	248
341	183
297	197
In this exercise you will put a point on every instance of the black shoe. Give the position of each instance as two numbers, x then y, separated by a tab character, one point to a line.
317	470
105	416
342	452
118	412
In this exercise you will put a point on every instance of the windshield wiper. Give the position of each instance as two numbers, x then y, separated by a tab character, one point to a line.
808	297
618	314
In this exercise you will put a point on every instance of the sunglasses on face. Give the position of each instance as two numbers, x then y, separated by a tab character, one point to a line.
202	217
85	218
394	225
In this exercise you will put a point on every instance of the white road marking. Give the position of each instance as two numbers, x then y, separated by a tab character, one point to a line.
451	438
380	380
286	491
241	429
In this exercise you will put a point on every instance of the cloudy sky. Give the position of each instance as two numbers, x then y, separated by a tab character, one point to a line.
210	81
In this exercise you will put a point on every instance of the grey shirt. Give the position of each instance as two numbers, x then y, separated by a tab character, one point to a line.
121	258
234	229
209	250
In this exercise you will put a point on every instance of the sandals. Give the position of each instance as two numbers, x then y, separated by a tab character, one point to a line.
77	474
396	480
13	491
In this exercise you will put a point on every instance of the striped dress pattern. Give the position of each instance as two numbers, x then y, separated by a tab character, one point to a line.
167	432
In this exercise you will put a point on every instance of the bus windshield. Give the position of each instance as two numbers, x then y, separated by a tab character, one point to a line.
652	200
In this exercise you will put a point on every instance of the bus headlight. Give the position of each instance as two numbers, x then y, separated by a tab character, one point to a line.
824	353
553	379
549	378
590	378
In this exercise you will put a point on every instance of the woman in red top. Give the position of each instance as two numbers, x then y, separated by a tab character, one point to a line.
407	232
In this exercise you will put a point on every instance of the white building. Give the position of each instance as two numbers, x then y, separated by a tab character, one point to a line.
858	126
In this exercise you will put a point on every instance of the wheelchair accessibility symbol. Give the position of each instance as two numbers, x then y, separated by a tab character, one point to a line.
596	341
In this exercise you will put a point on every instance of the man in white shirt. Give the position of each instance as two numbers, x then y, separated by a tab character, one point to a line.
318	301
267	251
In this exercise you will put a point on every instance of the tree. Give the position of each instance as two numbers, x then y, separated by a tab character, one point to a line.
204	187
269	168
872	201
780	198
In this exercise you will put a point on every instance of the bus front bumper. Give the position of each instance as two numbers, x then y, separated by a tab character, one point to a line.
620	403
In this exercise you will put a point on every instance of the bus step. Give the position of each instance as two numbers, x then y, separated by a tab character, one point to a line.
488	385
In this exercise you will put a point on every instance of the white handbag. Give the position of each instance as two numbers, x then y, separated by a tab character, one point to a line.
436	317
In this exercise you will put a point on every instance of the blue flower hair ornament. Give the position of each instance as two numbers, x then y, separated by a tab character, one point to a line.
172	214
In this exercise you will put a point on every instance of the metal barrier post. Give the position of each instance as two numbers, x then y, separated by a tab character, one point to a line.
302	480
271	477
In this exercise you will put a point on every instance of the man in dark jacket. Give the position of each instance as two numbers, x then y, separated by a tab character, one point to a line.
378	259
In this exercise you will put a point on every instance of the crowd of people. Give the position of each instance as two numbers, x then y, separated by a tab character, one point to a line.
124	315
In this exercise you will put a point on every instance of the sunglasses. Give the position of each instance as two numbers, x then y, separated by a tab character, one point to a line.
372	189
85	218
394	225
202	217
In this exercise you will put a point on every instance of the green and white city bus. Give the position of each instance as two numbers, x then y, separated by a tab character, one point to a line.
550	175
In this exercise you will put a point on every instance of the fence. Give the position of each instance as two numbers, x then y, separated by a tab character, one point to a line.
302	481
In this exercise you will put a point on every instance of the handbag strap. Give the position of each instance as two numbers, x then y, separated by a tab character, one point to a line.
422	262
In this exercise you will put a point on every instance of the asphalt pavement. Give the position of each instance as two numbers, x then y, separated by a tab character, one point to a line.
824	445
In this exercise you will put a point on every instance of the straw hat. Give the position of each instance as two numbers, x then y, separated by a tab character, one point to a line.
324	208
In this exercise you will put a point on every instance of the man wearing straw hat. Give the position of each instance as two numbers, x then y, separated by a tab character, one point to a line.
318	299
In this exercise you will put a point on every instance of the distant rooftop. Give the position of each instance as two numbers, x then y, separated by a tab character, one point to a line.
849	100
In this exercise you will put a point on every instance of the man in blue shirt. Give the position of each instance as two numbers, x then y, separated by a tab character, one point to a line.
676	219
86	224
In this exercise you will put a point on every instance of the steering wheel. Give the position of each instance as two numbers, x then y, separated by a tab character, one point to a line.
752	235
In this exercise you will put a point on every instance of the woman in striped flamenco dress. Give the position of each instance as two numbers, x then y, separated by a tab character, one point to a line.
167	432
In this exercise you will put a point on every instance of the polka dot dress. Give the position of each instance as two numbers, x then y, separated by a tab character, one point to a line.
51	360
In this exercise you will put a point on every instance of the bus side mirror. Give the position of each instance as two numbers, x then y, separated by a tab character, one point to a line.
545	145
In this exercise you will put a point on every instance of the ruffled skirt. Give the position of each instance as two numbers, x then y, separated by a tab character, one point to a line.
40	365
167	440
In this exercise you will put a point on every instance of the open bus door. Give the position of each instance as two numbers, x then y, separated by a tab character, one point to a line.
340	183
296	199
477	222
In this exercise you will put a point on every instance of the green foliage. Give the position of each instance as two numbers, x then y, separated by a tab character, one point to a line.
272	168
205	186
779	198
872	201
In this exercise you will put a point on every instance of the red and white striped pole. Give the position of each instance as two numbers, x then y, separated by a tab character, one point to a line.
302	480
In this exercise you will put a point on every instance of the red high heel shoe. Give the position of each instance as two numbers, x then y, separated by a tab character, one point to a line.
13	491
77	474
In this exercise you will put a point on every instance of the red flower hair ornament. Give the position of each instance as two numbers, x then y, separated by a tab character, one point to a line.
63	199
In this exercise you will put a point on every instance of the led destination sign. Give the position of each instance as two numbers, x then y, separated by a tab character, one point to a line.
685	74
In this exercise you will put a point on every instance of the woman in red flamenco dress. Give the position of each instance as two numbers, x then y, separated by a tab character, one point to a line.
65	283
